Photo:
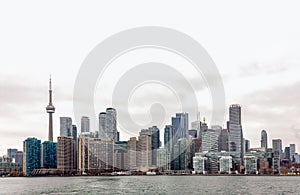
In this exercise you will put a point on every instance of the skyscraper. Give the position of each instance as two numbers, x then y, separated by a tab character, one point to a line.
181	124
169	142
264	140
102	125
223	140
277	150
65	126
65	154
108	124
292	151
95	154
155	142
50	110
235	131
31	155
144	150
132	153
111	123
85	124
210	140
49	156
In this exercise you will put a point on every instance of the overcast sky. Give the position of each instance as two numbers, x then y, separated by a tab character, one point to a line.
255	45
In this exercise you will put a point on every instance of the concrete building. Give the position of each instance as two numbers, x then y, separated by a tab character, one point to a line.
225	164
66	154
277	151
199	164
144	150
132	153
95	155
121	161
250	163
210	140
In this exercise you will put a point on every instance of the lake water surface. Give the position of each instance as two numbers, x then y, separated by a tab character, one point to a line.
151	185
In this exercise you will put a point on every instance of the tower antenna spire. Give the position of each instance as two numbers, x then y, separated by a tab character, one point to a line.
50	109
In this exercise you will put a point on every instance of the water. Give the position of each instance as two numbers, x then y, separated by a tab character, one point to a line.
152	185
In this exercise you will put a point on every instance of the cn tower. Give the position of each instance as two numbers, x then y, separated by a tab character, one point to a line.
50	110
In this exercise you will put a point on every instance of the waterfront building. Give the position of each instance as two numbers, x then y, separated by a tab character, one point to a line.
264	140
225	164
250	163
132	153
96	155
155	143
199	163
121	156
236	132
49	157
144	150
287	153
31	155
65	126
163	159
85	124
181	124
66	154
10	168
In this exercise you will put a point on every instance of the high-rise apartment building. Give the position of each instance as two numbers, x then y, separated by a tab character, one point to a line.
49	157
95	154
108	124
132	153
144	150
65	154
31	155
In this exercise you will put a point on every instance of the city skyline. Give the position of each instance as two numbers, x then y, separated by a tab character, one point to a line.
258	64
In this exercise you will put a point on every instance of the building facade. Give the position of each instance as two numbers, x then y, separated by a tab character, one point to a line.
31	155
